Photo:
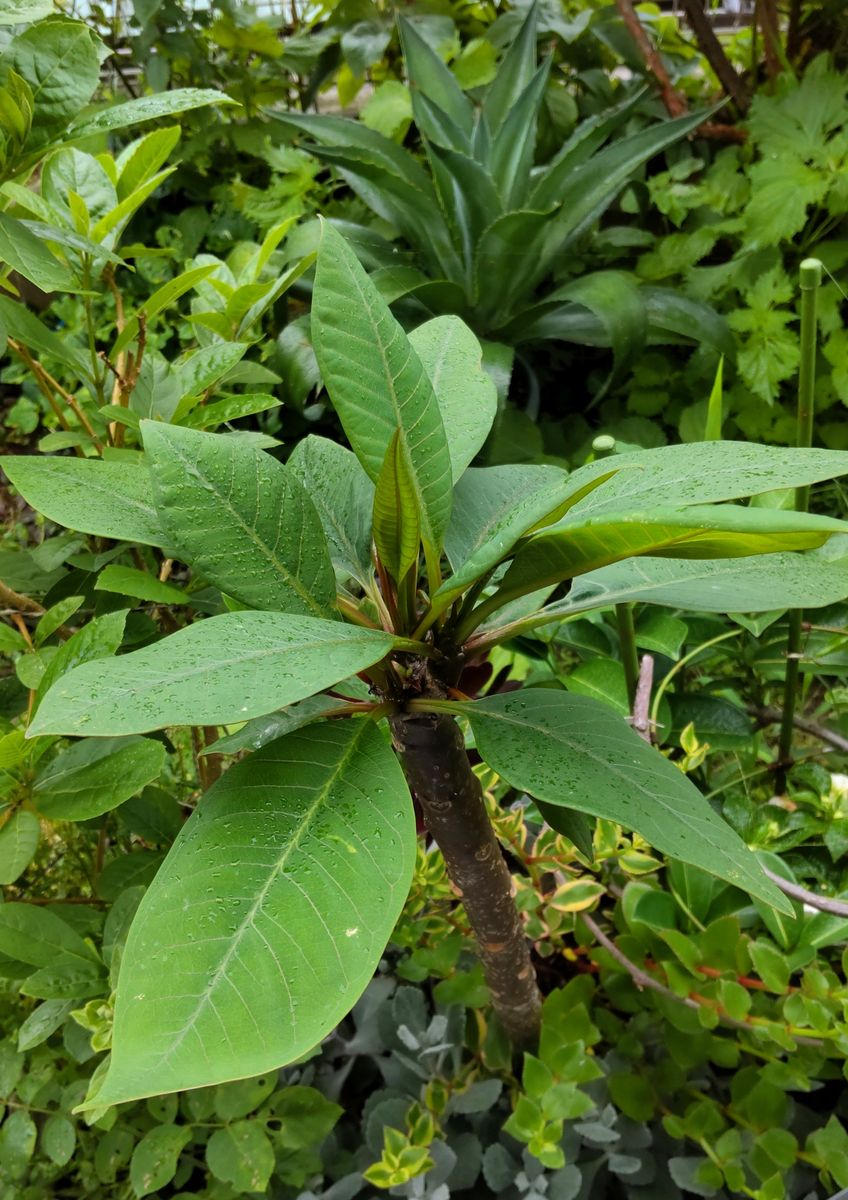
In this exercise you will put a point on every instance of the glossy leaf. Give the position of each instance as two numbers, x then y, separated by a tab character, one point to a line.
809	580
343	496
95	775
109	499
377	383
453	359
495	506
582	543
269	915
708	472
574	751
228	668
430	78
35	936
18	842
241	519
397	534
141	585
28	254
148	108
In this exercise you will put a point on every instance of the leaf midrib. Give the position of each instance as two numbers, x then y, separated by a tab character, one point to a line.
289	578
273	874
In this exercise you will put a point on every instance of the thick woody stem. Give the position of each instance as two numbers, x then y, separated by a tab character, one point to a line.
433	756
713	52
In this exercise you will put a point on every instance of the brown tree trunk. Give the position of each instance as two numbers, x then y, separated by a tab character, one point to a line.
712	50
433	756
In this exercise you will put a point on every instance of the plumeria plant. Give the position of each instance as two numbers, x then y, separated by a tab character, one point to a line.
352	592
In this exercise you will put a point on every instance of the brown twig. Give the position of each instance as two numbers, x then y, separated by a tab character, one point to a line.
643	980
50	387
773	716
713	52
20	604
838	908
641	720
674	102
766	14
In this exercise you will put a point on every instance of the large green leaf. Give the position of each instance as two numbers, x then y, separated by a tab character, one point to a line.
29	255
109	499
18	842
95	775
344	496
810	580
494	507
241	519
60	60
468	401
269	915
573	751
707	472
147	108
581	542
225	669
377	383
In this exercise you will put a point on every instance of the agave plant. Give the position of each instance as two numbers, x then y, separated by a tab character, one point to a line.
488	229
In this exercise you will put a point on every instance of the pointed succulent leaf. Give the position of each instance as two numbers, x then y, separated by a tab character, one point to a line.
430	78
269	915
571	750
514	75
377	383
510	158
468	401
241	519
225	669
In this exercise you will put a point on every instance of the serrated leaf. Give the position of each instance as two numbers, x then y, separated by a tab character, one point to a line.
301	857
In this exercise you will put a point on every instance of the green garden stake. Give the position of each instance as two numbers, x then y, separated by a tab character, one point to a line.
810	282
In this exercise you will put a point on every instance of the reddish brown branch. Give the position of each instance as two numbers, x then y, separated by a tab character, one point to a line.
713	52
